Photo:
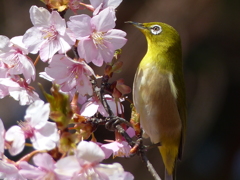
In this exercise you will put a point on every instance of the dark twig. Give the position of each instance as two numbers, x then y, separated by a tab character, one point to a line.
149	165
103	100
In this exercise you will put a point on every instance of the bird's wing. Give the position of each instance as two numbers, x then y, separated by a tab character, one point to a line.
181	103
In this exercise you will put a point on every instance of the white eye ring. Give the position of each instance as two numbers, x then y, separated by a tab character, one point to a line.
156	29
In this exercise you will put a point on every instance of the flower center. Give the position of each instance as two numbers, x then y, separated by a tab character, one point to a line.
98	39
50	33
26	128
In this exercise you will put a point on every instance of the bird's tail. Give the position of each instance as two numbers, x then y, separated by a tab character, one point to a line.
169	156
170	177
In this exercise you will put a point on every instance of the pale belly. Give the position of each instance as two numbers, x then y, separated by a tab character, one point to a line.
154	97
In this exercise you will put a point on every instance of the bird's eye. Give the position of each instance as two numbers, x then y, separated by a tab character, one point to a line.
155	29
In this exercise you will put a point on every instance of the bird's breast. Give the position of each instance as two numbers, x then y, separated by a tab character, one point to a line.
154	95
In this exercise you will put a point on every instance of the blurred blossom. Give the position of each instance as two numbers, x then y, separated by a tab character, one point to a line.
9	171
45	169
89	156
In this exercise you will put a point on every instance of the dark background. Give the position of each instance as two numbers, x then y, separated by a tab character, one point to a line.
210	32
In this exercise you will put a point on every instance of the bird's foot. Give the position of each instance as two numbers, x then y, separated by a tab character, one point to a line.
114	121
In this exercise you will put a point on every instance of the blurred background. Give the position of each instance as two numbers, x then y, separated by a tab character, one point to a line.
210	33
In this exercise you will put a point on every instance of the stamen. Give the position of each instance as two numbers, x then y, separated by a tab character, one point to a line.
50	33
26	128
98	39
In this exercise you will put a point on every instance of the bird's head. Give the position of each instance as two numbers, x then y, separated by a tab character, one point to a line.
156	32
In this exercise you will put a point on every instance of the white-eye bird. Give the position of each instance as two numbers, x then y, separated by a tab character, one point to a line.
159	92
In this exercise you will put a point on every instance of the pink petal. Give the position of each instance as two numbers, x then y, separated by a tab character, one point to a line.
104	21
116	37
29	71
84	85
102	110
48	49
33	40
29	171
87	49
131	132
64	45
23	95
80	25
105	54
58	22
45	161
59	63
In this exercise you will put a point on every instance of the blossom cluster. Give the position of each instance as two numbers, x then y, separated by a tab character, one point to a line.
75	99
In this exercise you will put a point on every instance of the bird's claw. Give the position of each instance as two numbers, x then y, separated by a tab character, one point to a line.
114	121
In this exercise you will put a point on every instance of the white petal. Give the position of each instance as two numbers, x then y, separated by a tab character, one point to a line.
33	40
16	136
46	137
39	16
70	169
89	109
90	152
38	114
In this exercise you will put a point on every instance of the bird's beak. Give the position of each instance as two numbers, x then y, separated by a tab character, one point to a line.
136	24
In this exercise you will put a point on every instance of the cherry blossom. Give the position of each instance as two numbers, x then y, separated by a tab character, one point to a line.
42	133
89	156
93	40
13	53
74	76
18	89
48	35
45	168
98	39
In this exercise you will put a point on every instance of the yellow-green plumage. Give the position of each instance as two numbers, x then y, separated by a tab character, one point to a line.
159	91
